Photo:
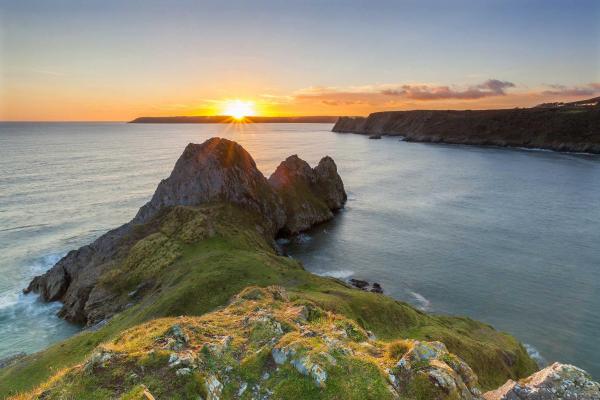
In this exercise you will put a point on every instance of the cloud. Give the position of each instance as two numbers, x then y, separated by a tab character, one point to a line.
489	88
590	89
394	95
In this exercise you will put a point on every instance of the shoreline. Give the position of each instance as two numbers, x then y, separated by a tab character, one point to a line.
481	146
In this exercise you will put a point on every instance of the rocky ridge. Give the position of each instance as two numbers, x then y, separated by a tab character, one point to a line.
265	345
569	127
218	170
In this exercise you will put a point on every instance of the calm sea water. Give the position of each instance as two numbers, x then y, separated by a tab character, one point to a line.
509	237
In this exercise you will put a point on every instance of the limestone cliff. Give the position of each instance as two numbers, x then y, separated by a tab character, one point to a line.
572	127
218	170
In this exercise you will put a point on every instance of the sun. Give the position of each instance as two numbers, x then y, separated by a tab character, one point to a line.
238	109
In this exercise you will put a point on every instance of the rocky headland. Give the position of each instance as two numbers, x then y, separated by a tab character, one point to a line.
294	198
190	300
568	127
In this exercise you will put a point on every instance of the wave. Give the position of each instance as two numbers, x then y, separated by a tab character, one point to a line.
44	263
19	305
538	149
423	303
339	274
35	267
283	241
535	355
23	227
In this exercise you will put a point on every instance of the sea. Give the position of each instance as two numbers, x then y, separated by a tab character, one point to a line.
506	236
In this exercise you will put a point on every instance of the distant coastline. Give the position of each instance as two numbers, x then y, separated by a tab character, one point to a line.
565	127
224	119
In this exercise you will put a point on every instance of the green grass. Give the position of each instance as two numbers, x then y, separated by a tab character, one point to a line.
202	257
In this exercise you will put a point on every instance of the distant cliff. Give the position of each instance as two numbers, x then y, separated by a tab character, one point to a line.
573	127
224	119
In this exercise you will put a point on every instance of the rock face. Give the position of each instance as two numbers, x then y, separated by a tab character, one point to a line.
218	170
571	127
556	382
309	194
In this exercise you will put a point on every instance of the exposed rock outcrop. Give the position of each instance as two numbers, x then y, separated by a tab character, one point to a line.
555	382
309	194
264	345
216	171
573	127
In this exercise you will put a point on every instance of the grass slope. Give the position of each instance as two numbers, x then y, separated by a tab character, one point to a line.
193	260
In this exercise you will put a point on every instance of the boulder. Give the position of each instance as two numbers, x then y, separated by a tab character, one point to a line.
376	288
359	283
428	367
555	382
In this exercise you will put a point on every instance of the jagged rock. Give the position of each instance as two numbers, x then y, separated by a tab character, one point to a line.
359	283
376	288
430	362
179	337
555	382
309	195
99	359
218	170
213	387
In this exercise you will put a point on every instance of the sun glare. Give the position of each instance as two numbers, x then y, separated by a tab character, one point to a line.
238	109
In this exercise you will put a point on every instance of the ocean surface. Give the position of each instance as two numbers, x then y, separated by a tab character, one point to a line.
510	237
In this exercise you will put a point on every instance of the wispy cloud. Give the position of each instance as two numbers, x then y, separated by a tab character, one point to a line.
394	94
489	88
590	89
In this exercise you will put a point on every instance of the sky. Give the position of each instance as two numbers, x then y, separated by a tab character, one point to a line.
114	60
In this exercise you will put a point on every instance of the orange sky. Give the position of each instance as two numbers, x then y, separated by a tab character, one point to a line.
48	100
116	60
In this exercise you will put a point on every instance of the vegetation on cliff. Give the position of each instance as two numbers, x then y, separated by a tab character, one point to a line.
216	254
265	343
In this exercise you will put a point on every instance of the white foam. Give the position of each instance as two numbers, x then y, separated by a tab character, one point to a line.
339	274
536	149
45	263
423	303
16	302
283	241
535	355
555	151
